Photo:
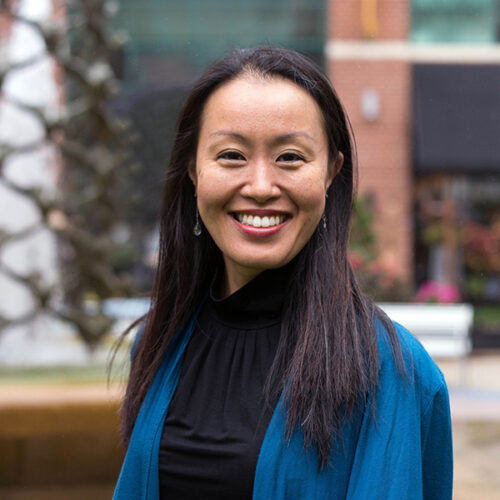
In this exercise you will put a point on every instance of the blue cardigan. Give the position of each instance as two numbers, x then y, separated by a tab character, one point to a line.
404	453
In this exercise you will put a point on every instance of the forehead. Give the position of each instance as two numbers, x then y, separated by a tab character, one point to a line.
253	103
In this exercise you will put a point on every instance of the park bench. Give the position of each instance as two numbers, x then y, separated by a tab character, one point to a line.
443	329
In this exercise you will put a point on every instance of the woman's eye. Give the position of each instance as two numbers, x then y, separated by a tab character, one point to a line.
231	156
290	158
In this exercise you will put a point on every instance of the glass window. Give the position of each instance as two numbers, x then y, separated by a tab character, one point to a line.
455	21
172	41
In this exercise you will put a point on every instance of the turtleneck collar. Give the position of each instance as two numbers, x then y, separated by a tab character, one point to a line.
257	304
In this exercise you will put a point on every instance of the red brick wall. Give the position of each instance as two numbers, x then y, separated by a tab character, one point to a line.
384	144
345	18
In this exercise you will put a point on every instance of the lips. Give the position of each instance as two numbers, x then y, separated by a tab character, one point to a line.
260	220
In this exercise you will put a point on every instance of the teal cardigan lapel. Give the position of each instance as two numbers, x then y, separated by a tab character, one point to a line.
283	470
139	475
405	452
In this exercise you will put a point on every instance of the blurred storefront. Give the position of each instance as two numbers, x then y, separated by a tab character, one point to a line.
457	185
421	83
456	154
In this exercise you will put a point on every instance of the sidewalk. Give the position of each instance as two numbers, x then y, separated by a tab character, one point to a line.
474	386
26	396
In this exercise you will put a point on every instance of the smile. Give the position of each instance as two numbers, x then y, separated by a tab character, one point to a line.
258	221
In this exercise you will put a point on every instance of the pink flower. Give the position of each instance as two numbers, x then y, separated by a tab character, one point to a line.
356	260
433	291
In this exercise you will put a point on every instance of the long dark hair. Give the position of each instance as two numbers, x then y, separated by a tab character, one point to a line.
327	358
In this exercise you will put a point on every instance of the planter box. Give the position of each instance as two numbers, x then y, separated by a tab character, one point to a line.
443	329
64	447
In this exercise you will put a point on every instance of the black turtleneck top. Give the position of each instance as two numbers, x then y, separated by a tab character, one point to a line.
217	418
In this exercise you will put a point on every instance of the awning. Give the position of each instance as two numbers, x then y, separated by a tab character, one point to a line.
456	118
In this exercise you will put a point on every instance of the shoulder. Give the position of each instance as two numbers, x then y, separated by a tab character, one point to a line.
418	373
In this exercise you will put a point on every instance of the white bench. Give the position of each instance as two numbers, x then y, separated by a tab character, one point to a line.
443	329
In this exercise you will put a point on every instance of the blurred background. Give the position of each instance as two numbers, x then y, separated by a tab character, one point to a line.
90	92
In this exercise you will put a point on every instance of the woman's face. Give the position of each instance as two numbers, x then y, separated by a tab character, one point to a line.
261	173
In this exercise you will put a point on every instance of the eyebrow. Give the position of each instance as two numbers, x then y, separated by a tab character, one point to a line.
231	134
279	139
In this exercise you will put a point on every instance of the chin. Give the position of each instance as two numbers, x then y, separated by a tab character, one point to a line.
264	264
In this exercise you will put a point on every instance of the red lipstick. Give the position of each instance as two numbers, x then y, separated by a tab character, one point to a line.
260	232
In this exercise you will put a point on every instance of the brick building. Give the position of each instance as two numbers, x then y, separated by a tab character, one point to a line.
373	81
420	81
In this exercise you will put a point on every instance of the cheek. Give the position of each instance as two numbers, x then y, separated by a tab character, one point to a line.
312	215
211	203
310	195
209	188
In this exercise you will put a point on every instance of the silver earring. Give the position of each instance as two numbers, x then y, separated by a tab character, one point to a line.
197	226
323	217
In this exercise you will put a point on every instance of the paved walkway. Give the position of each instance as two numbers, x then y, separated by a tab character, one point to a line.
474	386
22	395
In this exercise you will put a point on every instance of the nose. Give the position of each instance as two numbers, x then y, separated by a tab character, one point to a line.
261	182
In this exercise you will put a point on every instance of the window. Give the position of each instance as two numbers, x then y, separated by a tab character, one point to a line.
455	21
172	42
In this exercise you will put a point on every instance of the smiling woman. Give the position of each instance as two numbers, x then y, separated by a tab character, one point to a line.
261	175
261	371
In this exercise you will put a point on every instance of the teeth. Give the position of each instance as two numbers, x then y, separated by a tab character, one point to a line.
257	221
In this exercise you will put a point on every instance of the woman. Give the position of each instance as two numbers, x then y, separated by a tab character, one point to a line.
262	371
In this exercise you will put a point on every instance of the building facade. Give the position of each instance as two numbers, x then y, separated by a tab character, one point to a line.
421	84
372	77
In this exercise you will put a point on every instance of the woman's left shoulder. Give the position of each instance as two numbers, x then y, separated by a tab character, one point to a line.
416	369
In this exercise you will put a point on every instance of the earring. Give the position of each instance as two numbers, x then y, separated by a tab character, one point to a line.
323	217
197	226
